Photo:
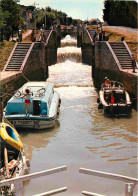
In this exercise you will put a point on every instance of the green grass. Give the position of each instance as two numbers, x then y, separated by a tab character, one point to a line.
5	50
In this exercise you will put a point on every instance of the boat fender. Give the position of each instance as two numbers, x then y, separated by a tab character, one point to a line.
59	102
100	106
98	100
43	112
27	162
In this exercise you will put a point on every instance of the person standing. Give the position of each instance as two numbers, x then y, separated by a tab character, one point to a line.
20	35
27	100
133	63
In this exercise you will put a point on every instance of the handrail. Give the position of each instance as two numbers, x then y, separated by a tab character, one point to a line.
114	55
52	192
88	35
10	57
18	181
48	37
129	51
26	57
91	194
130	182
107	175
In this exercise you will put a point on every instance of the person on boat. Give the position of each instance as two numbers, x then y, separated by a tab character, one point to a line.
112	98
133	63
27	100
107	82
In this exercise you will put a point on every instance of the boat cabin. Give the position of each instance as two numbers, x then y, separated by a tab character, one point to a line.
116	97
41	94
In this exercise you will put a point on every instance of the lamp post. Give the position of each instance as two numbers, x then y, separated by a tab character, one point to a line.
35	15
45	17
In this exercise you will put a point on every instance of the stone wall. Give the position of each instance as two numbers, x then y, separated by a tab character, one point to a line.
36	61
79	35
87	48
103	57
51	49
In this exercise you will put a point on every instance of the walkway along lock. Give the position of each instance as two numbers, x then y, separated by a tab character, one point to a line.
129	182
18	182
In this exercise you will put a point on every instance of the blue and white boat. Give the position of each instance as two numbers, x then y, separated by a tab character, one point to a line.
44	106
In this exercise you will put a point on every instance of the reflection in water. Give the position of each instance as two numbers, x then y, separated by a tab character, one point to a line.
85	138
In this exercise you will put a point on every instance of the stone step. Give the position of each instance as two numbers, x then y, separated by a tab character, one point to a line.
117	52
122	55
126	67
118	48
16	58
11	67
15	63
22	49
125	60
15	54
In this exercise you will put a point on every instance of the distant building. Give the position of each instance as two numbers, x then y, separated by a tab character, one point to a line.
94	21
78	21
27	12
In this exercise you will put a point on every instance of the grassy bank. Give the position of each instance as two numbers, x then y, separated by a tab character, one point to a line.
130	38
116	34
5	50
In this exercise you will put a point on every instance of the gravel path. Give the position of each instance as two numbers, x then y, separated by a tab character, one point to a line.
125	28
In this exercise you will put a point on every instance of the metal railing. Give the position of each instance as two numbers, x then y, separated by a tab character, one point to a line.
18	182
130	183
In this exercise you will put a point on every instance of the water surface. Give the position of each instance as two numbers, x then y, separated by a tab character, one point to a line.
82	137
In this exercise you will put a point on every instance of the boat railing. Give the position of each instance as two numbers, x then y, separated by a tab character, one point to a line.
130	183
18	182
38	93
113	86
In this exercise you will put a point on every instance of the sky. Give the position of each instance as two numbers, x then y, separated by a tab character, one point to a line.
77	9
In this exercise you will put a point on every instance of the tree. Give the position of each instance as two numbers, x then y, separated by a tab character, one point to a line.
12	19
3	16
117	12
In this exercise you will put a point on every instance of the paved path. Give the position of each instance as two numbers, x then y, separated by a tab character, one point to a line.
130	71
24	35
8	74
125	29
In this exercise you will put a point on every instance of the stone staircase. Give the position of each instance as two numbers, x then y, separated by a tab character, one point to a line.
122	54
46	34
18	57
91	32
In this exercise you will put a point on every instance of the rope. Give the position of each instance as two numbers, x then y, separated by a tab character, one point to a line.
25	77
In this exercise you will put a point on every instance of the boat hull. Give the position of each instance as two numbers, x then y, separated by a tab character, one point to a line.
32	123
122	110
9	138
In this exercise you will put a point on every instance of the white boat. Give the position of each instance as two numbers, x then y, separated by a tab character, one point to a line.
120	105
44	106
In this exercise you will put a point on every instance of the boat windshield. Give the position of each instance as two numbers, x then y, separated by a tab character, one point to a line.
113	85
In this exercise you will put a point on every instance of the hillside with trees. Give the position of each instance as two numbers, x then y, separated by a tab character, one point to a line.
120	13
52	17
13	18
